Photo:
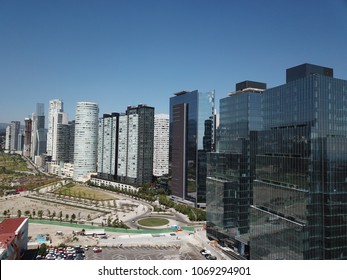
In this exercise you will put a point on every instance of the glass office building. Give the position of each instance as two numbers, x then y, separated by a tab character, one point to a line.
231	170
299	208
192	129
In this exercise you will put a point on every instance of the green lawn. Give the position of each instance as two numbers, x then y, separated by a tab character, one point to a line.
80	191
153	222
12	162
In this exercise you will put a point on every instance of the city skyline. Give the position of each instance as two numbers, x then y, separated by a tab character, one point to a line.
118	54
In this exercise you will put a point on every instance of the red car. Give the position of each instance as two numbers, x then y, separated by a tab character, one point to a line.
97	250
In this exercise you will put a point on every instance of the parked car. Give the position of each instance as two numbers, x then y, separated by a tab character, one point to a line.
50	257
205	252
70	257
97	250
79	256
210	257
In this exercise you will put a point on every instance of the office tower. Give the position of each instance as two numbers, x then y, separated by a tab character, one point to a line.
108	146
86	139
192	129
300	192
161	145
27	137
38	132
231	170
56	117
14	131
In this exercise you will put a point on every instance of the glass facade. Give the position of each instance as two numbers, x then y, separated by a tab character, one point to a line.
299	206
191	138
231	170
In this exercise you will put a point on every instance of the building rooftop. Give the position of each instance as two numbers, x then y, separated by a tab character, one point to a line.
305	70
181	92
8	229
249	86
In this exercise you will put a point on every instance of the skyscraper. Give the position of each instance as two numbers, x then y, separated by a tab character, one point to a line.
231	169
8	139
300	192
125	150
64	147
108	146
192	129
27	136
14	131
140	143
56	116
86	139
161	145
38	132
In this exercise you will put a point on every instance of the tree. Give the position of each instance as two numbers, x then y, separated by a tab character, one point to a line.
42	249
19	213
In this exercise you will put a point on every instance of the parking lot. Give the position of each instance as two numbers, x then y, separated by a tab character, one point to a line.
144	253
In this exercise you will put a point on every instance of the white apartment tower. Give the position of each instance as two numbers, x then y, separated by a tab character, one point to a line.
56	116
161	145
86	140
122	147
8	139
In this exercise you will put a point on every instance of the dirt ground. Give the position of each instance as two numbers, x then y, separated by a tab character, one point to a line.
65	235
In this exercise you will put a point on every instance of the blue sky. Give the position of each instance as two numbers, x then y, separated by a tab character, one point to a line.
120	53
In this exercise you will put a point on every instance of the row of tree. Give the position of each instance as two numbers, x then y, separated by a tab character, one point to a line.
40	213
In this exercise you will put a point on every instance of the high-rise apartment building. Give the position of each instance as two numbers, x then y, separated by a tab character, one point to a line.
161	145
125	150
27	137
192	129
231	169
64	147
8	139
122	165
20	145
108	146
86	140
140	144
299	204
56	117
14	132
